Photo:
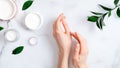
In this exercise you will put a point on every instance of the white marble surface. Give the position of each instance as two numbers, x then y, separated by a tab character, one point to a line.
104	46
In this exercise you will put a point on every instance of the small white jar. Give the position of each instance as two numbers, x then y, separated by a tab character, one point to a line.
33	41
11	35
33	21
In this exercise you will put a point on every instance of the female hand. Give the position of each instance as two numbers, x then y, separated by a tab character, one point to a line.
63	39
80	52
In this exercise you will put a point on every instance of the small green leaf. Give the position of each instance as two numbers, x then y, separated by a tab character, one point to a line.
27	4
109	13
93	18
96	13
101	23
1	28
104	23
18	50
116	2
105	8
98	24
104	15
118	12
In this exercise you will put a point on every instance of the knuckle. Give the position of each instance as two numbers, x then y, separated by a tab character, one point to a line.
57	32
74	58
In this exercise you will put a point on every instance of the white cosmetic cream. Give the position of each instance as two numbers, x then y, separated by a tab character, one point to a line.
11	35
33	41
33	21
6	9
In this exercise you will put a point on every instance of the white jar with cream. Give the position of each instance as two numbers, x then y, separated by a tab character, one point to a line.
33	21
11	35
33	41
8	9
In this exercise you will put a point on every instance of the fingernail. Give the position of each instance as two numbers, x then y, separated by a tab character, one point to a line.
75	33
62	14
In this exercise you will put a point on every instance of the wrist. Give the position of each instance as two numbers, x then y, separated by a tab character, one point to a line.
64	51
80	66
63	54
83	65
63	60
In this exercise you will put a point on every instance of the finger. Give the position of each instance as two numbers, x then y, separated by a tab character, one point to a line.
76	51
75	36
59	17
58	22
71	33
65	25
83	44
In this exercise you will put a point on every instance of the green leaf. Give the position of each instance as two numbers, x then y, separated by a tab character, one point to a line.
101	23
96	13
27	4
93	18
118	12
105	8
109	13
1	28
98	24
104	15
104	23
18	50
116	2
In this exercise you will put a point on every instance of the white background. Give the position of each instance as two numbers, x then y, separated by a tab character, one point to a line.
104	46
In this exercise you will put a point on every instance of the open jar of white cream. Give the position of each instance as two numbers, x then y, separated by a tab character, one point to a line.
8	9
33	21
11	35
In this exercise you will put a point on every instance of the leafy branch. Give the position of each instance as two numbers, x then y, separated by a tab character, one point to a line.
98	17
